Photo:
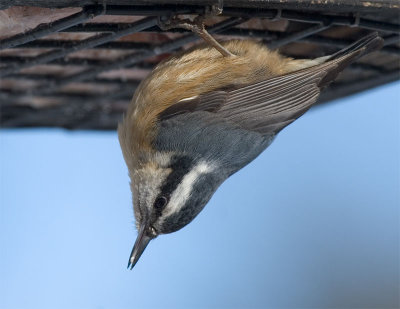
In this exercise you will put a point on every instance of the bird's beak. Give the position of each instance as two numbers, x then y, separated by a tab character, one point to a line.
141	243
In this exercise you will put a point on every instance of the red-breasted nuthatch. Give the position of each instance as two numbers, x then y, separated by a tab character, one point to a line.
200	116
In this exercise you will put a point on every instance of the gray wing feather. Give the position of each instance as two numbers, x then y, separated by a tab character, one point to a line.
268	106
265	107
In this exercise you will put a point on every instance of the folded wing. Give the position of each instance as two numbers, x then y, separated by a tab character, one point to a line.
270	105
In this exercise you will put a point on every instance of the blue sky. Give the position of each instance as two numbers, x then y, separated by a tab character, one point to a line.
312	223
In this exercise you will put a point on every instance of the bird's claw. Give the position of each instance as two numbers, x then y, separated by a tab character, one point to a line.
196	26
167	23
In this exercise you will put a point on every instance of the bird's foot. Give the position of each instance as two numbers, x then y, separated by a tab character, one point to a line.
196	26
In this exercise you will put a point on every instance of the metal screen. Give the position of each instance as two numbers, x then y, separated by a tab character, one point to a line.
79	71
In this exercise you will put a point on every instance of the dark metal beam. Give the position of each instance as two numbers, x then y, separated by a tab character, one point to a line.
134	58
45	29
71	44
297	36
273	40
124	92
73	61
347	6
88	43
252	10
51	77
303	15
340	43
111	27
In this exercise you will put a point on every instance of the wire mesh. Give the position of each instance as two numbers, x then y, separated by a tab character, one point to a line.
79	71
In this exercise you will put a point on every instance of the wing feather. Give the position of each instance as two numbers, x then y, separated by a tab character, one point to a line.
270	105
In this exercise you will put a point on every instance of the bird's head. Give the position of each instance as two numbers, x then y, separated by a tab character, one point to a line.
169	191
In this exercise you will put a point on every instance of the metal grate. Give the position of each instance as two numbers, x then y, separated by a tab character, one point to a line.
79	71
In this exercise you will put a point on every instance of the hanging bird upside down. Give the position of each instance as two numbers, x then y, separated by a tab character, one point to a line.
203	114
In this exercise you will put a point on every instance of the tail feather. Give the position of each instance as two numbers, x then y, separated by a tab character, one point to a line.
365	45
351	53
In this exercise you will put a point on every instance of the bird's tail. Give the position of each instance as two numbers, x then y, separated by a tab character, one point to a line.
365	45
349	54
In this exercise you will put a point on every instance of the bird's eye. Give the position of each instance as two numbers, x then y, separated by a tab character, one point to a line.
160	203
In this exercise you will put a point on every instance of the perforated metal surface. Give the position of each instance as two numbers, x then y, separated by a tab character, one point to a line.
77	67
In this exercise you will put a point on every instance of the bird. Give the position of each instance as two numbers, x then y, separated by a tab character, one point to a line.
202	114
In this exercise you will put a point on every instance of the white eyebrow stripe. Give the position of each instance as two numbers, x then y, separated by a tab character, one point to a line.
182	192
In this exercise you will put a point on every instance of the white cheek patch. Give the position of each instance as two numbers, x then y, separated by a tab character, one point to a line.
184	189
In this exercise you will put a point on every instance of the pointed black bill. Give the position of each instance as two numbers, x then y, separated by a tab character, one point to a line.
141	243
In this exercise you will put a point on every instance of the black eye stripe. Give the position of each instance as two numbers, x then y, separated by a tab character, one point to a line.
180	166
